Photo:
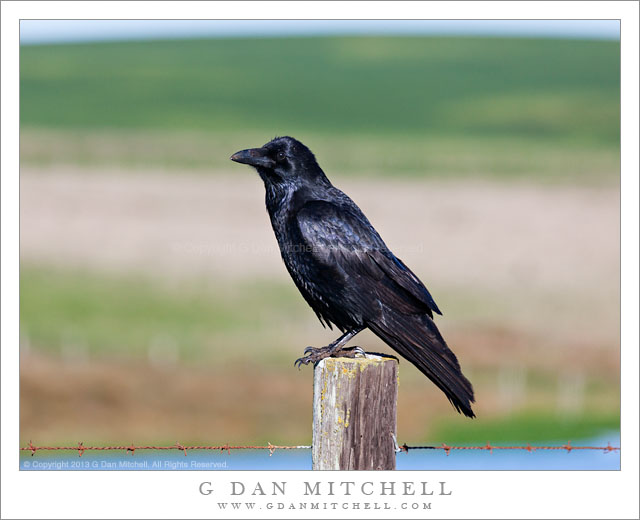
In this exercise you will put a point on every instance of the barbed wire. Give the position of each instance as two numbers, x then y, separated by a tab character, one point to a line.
488	447
81	448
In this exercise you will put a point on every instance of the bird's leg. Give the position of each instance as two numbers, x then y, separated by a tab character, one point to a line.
334	349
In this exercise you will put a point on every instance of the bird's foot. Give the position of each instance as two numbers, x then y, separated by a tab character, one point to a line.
313	355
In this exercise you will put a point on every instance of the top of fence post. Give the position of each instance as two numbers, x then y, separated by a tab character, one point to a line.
354	413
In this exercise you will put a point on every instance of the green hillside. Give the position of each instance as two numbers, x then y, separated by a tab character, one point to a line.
463	86
520	108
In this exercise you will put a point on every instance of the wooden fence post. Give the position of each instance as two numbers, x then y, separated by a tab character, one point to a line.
354	413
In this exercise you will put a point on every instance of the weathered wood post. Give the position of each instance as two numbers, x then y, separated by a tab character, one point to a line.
354	413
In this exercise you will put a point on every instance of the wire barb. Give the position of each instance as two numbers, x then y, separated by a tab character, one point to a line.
271	448
181	447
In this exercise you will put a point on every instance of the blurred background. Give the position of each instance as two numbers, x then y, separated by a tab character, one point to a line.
154	306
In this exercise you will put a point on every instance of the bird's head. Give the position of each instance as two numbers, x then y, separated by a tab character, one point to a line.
283	160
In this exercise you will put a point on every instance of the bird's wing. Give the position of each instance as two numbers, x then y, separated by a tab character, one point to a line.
339	235
392	301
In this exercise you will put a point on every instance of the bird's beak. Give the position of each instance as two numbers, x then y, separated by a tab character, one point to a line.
253	157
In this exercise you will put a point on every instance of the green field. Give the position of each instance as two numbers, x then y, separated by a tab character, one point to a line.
125	344
113	350
369	106
122	316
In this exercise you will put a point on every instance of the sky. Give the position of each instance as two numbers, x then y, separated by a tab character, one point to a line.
59	31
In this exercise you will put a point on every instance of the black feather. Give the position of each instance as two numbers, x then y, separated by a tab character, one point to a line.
345	271
417	339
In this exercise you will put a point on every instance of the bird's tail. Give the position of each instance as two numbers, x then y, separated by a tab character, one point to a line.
417	339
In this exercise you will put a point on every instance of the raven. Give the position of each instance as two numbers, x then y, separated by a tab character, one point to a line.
345	271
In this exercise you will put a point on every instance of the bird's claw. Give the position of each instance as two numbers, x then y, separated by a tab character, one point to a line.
313	355
307	358
301	361
351	352
357	351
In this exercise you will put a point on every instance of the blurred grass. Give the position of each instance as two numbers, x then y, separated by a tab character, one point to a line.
125	314
235	343
533	110
562	89
71	312
523	427
392	105
411	156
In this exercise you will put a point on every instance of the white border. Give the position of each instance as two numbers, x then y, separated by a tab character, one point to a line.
169	495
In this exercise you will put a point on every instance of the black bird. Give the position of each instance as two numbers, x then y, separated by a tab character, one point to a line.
345	271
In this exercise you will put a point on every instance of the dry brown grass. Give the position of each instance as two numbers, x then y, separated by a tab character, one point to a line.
461	233
538	256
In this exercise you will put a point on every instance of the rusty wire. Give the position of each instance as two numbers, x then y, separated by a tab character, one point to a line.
568	447
81	448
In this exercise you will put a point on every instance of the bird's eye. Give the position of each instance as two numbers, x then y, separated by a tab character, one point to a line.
281	156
